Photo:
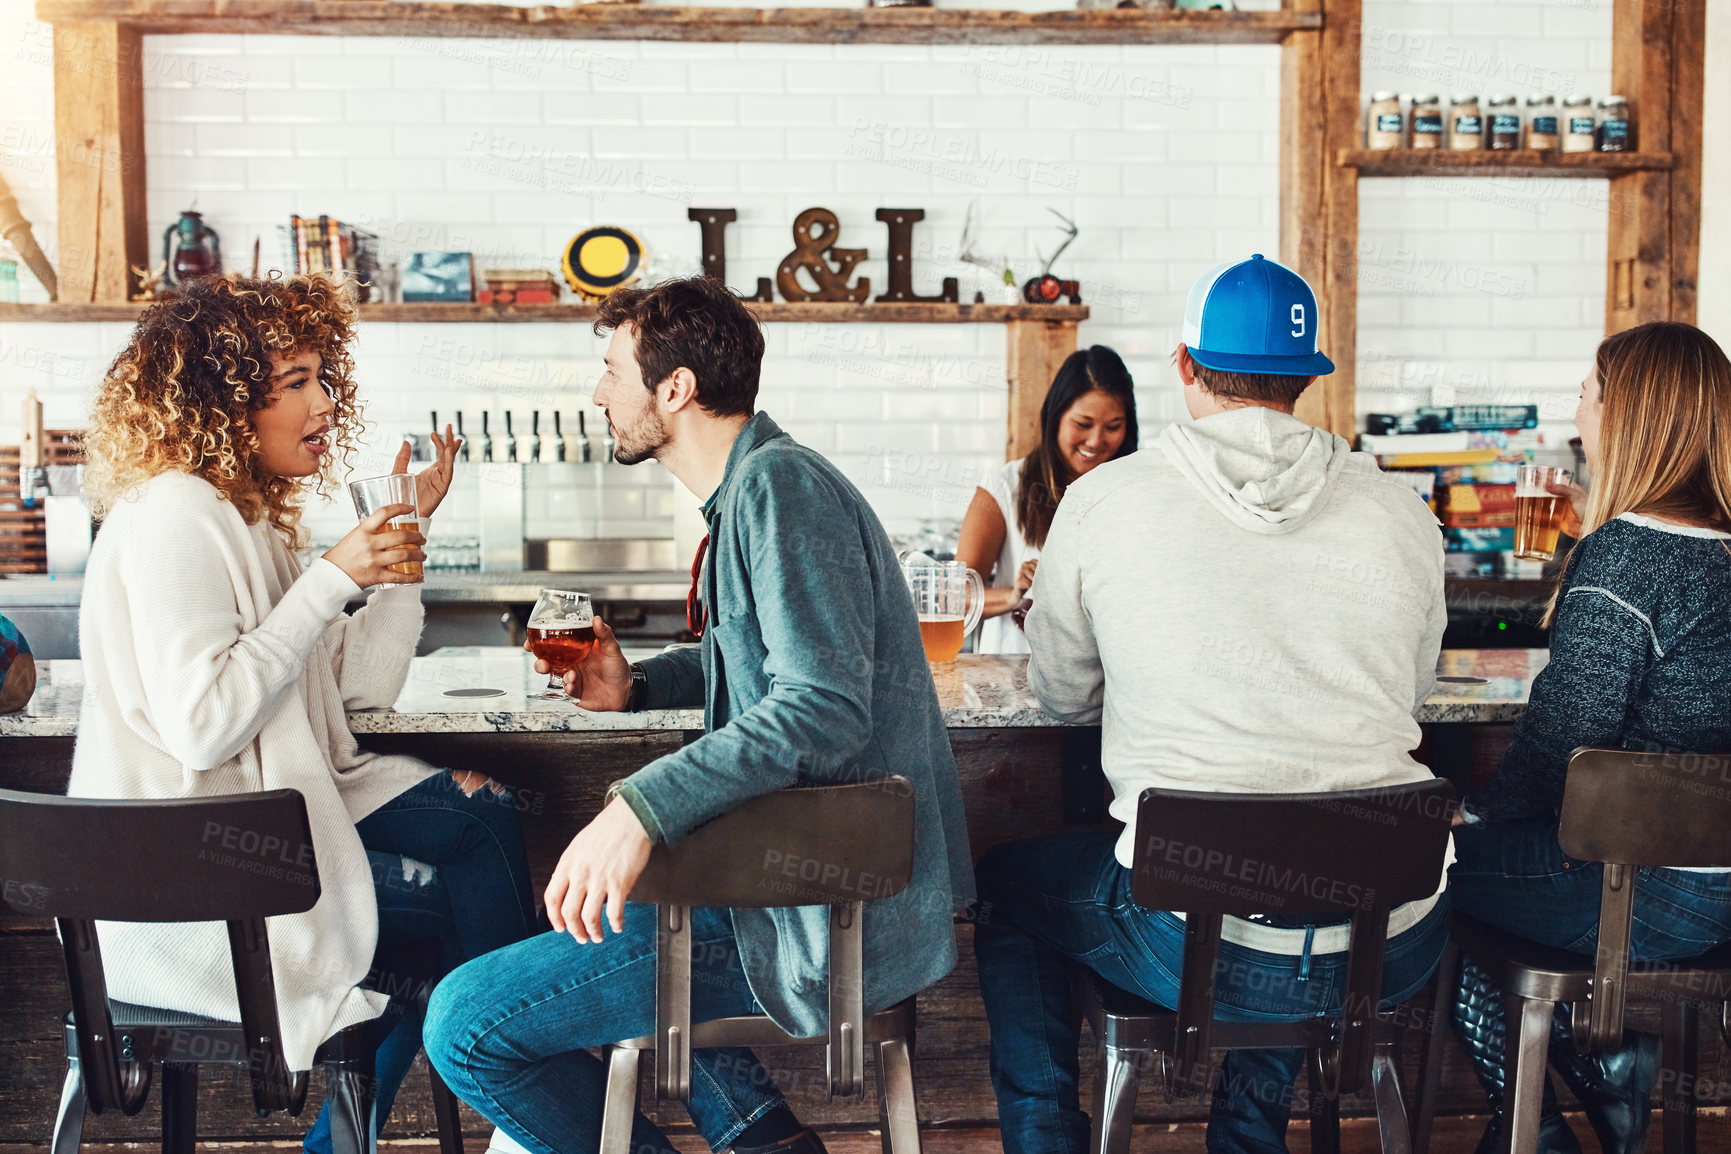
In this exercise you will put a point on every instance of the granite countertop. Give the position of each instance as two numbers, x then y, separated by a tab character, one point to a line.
441	586
976	692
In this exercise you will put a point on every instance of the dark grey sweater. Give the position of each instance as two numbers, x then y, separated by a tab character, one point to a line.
1640	659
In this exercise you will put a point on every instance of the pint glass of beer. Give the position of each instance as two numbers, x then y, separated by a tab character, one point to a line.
1538	511
374	493
561	633
949	597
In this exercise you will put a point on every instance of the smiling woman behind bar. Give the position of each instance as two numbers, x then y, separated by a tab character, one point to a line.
1087	419
1640	644
216	663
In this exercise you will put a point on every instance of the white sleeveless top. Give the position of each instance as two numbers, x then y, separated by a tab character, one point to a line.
1001	634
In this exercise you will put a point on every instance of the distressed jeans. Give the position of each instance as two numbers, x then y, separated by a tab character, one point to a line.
510	1033
464	887
1047	904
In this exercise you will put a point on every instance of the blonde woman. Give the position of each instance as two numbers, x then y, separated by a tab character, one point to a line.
1640	645
216	663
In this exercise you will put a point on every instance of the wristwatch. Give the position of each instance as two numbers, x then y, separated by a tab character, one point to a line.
639	691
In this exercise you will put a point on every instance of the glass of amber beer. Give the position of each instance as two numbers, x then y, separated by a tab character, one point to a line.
1538	511
948	596
374	493
561	633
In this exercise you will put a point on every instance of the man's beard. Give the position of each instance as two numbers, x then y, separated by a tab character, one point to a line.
635	445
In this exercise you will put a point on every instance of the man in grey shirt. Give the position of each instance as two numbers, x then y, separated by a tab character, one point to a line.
810	670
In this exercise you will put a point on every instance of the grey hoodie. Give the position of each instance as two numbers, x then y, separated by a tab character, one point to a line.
1246	606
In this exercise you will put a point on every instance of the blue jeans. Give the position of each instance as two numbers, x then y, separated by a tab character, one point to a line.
477	900
1516	877
509	1033
1047	903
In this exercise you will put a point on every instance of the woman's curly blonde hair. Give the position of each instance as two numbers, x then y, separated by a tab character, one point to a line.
181	395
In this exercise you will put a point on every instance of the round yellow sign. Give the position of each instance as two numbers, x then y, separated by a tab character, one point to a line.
599	260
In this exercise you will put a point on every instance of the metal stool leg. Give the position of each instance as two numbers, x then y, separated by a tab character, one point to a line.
69	1122
1391	1118
898	1108
619	1110
1324	1107
350	1091
445	1115
1431	1058
179	1108
1524	1072
1681	1057
1117	1078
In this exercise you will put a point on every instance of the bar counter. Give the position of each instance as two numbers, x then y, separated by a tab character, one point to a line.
976	692
1022	775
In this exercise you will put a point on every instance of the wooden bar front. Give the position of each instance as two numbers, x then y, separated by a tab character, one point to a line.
1012	785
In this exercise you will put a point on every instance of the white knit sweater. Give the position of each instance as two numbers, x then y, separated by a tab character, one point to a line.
214	665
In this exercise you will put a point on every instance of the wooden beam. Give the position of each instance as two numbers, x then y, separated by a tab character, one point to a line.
835	25
1638	241
461	312
1688	97
1337	295
1035	350
99	159
1303	149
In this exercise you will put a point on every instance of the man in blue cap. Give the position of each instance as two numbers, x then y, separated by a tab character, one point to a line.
1248	606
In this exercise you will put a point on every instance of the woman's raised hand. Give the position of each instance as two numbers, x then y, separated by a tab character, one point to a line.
433	482
371	547
1577	505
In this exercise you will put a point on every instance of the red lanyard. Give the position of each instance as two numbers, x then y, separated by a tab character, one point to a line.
696	612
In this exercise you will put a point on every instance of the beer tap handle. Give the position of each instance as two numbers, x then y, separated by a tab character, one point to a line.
510	439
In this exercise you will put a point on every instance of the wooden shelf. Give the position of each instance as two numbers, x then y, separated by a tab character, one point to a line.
464	313
649	22
1523	162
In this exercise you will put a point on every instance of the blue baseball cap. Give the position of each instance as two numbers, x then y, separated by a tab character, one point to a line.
1256	316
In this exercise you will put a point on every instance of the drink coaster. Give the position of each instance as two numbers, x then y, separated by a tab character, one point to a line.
474	693
1464	680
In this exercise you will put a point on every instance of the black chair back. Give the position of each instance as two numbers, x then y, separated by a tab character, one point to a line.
1301	856
1629	809
806	846
236	859
831	845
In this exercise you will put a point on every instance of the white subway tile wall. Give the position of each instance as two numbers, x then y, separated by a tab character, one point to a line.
1164	156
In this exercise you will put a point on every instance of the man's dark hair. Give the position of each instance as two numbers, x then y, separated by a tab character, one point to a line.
1262	388
692	323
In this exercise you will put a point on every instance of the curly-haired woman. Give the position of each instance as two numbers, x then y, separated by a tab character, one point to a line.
216	663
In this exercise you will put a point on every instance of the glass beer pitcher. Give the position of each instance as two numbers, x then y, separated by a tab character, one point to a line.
949	597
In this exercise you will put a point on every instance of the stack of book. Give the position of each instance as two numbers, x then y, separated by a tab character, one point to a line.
520	286
1468	479
325	244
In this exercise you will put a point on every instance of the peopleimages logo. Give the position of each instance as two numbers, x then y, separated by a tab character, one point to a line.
1259	875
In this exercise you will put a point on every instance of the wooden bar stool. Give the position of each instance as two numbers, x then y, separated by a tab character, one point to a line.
859	840
1376	849
1627	810
81	861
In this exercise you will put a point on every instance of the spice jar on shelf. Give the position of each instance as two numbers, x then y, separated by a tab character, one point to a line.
1466	125
1504	129
1385	126
1614	135
1542	123
1578	135
1427	122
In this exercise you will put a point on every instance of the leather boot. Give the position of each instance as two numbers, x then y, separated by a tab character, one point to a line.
1479	1020
1613	1088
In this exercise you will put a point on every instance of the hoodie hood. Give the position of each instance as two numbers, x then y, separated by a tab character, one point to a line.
1266	471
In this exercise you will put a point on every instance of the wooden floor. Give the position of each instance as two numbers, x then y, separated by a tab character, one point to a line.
1358	1136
